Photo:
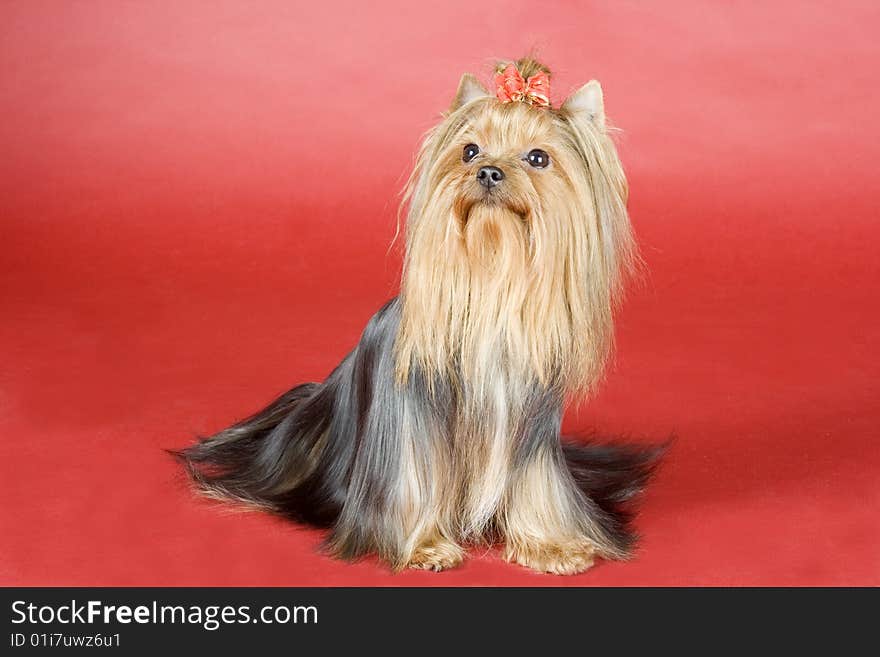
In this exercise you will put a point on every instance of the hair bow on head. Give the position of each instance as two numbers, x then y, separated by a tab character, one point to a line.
511	87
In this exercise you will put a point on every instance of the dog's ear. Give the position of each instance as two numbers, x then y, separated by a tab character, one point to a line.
468	89
588	100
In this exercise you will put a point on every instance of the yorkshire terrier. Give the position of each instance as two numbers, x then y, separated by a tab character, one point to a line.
441	429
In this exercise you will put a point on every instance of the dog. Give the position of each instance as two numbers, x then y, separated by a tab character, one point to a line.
441	429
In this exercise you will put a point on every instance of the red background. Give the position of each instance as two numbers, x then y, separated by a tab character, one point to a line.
197	201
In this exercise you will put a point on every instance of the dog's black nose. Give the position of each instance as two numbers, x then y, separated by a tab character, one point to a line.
490	176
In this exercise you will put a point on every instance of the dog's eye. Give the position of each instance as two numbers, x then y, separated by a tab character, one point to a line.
538	158
470	152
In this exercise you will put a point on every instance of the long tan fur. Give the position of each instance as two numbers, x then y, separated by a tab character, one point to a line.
531	280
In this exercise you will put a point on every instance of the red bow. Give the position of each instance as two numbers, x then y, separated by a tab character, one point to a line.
512	87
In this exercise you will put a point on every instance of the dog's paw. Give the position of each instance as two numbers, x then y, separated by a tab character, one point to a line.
564	558
436	556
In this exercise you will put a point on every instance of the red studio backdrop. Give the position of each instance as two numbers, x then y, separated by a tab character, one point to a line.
196	205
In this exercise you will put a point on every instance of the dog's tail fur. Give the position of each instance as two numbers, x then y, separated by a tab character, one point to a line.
269	459
611	476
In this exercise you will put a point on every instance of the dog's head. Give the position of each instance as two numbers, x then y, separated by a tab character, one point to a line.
517	232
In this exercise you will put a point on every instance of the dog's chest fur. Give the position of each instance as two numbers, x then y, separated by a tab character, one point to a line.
488	431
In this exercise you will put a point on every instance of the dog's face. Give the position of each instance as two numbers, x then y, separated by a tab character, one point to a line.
517	224
508	156
513	176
